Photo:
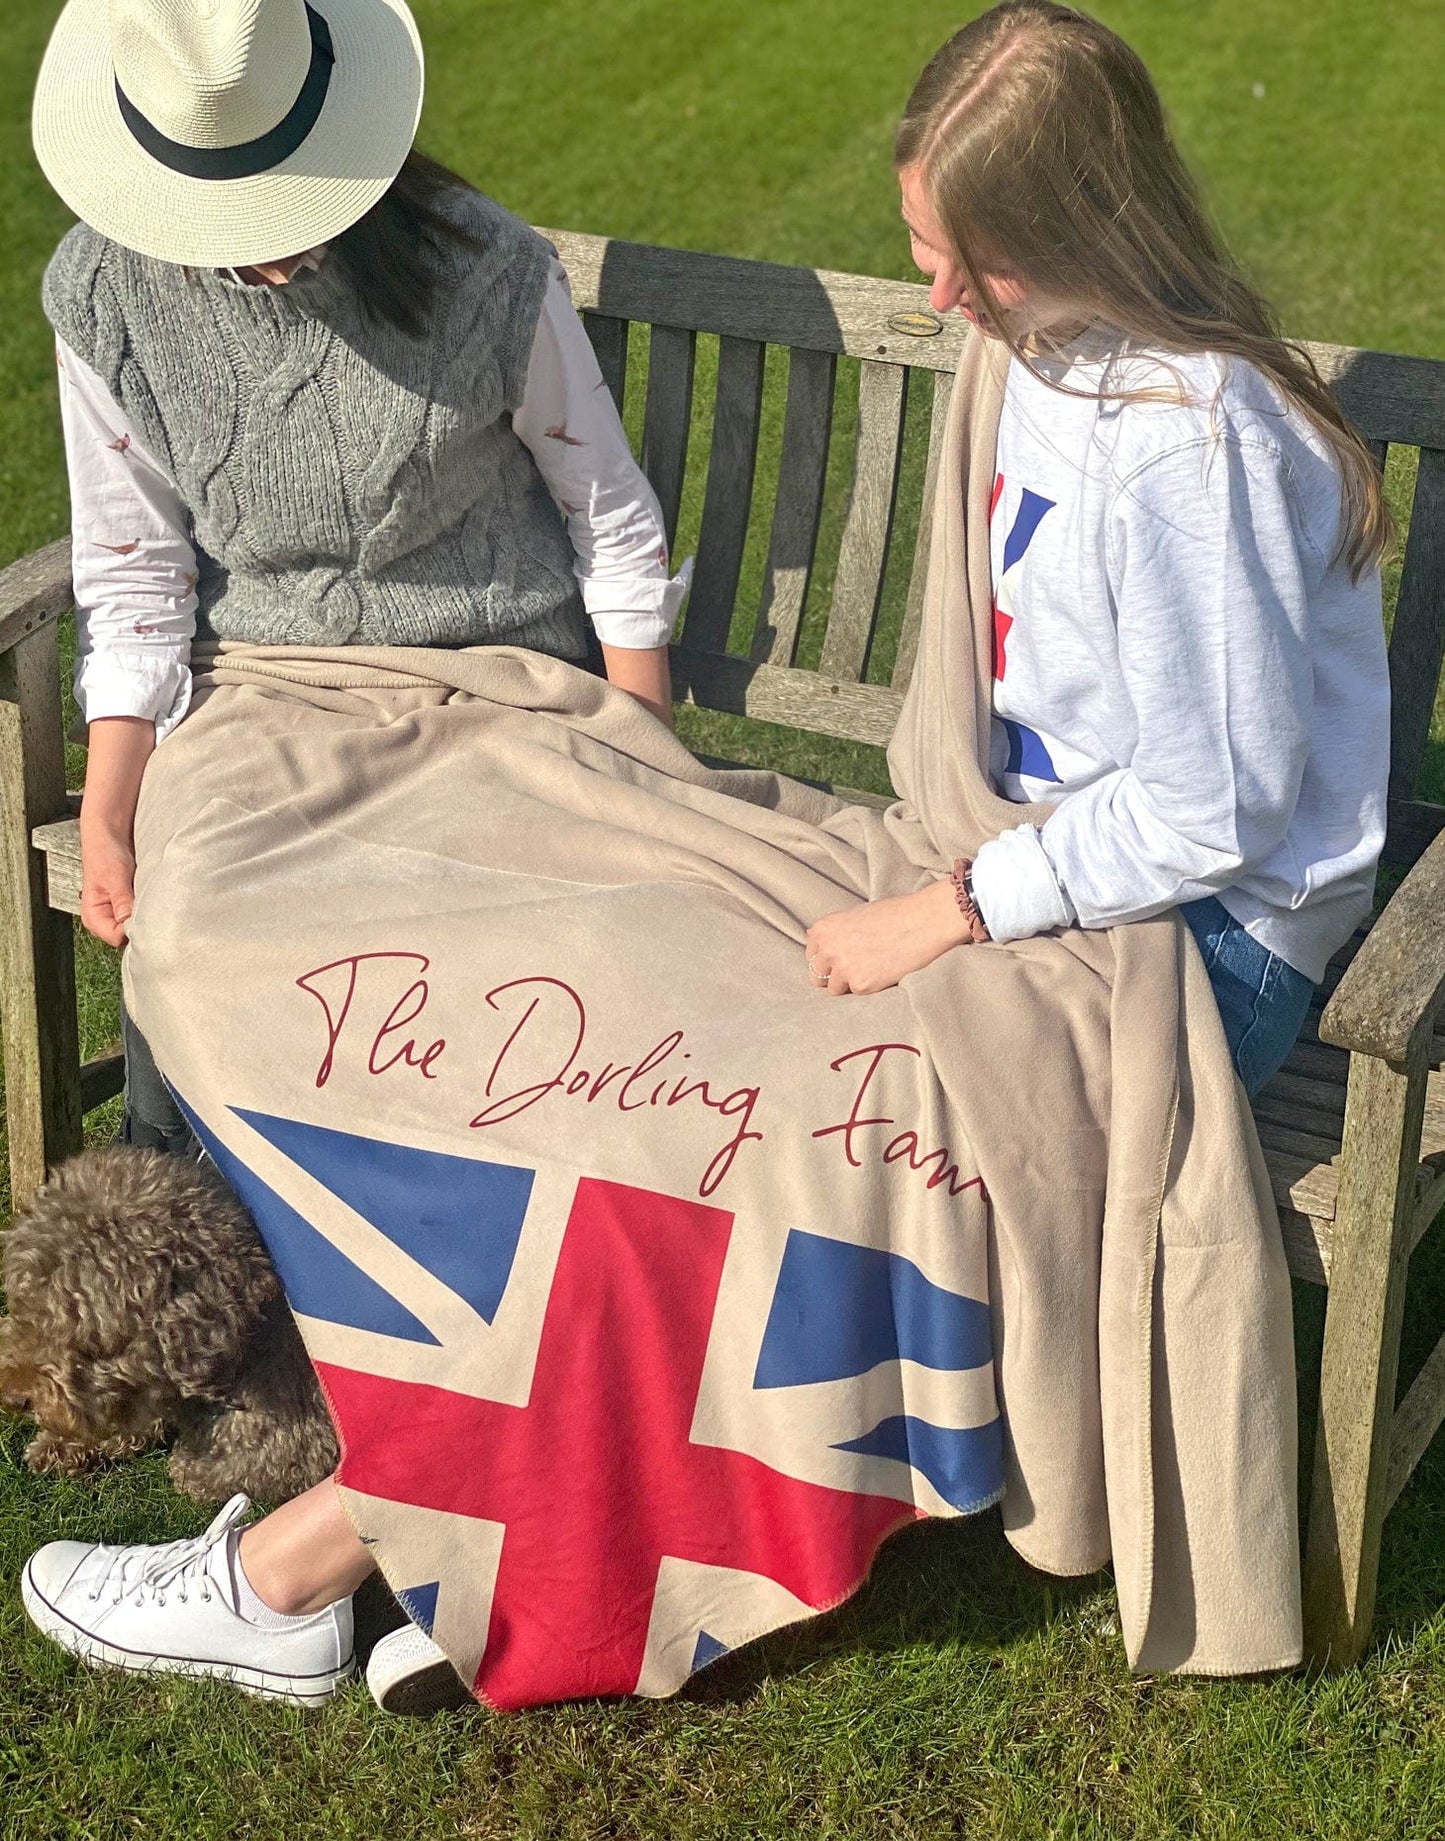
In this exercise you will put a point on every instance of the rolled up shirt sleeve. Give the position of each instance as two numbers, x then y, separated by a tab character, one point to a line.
132	560
569	422
1213	634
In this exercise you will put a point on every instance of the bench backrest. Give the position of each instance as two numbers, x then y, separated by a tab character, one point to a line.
741	657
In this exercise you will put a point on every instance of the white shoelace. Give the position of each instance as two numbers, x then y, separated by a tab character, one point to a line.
177	1565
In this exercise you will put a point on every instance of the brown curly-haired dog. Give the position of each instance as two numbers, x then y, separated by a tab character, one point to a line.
143	1304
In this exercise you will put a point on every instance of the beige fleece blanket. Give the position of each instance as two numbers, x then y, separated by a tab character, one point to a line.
650	1287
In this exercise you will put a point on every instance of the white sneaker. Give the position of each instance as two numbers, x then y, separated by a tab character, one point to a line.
172	1609
407	1673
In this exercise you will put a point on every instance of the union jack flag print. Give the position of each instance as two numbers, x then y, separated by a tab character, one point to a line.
598	1435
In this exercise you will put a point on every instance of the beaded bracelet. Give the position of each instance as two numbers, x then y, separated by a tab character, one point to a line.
962	880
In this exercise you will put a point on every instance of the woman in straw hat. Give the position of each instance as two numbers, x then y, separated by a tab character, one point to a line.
316	390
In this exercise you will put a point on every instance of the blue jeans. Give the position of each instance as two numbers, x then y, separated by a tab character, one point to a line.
1262	1000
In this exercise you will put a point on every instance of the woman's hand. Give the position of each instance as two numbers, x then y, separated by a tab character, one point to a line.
107	884
869	948
119	748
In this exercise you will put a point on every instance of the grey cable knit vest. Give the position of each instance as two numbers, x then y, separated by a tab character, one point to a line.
346	484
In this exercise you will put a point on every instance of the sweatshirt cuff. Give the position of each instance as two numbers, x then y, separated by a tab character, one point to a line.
1015	887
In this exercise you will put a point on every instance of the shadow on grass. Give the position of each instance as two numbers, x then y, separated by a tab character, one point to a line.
945	1584
937	1585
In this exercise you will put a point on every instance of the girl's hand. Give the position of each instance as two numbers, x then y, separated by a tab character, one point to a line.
107	884
869	948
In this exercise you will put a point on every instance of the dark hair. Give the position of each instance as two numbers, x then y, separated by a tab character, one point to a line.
391	256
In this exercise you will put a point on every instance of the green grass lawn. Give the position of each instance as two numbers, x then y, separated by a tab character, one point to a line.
960	1693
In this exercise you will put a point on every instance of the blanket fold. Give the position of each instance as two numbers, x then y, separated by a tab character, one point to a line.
650	1287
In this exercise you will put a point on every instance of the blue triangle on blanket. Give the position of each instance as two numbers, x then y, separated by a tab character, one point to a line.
460	1217
420	1604
839	1309
319	1279
708	1650
964	1464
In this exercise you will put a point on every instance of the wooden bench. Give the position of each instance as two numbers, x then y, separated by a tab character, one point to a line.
1354	1127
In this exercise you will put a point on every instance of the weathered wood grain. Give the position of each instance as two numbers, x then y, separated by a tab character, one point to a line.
671	362
1274	1106
729	498
37	953
1302	1183
1319	1061
1417	1419
59	843
1414	824
1316	1094
797	506
1296	1141
101	1080
1386	1003
1417	639
771	693
1307	1245
34	591
1370	1261
942	392
1430	1201
609	340
813	308
1391	398
858	587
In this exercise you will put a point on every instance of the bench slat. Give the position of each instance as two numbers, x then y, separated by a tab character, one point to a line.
609	342
101	1079
1300	1183
1319	1061
34	590
1307	1245
864	552
1414	824
918	579
729	495
773	693
1390	397
1417	1419
671	360
1296	1141
857	315
1326	1096
1417	643
802	473
1324	1125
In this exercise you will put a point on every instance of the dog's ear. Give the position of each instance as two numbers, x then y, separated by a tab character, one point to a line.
207	1319
218	1284
19	1366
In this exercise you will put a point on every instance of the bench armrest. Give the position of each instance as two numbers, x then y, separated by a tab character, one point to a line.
1387	1001
34	591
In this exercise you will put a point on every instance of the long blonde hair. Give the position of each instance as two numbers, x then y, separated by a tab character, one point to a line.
1042	146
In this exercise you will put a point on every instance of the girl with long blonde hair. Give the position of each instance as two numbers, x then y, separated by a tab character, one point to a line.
1189	660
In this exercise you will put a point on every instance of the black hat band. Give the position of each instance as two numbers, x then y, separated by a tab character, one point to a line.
250	157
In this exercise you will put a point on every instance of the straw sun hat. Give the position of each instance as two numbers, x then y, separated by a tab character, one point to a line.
226	132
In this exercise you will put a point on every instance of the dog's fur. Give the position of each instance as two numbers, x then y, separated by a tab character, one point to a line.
143	1305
